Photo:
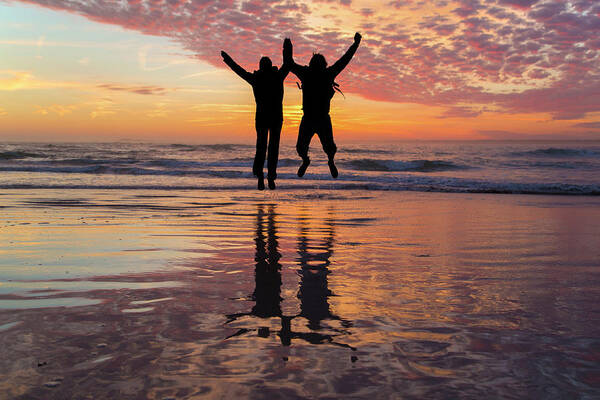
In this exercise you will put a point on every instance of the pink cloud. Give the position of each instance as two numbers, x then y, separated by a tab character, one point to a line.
461	112
367	12
342	2
538	74
588	125
519	3
551	50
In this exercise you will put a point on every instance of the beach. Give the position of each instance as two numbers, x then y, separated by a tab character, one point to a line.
295	293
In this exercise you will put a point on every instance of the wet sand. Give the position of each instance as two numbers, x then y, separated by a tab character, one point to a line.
197	294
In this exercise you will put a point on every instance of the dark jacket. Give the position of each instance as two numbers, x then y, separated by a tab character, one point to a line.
266	85
317	85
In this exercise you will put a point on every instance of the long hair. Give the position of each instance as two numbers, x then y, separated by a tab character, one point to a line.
317	61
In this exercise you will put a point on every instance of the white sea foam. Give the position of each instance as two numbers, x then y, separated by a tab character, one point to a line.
536	168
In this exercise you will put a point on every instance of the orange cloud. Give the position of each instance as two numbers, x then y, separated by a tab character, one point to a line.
24	80
58	109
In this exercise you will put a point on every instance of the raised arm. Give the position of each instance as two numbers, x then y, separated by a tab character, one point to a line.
345	59
287	54
245	75
288	59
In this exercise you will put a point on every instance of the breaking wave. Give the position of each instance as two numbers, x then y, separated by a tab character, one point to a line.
559	152
17	155
213	147
368	164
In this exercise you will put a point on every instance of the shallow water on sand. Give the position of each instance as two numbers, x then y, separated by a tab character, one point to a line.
290	295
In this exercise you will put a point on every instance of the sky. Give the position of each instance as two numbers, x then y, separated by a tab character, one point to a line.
150	70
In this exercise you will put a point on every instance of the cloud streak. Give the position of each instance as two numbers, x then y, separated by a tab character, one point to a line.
146	90
11	80
517	56
588	125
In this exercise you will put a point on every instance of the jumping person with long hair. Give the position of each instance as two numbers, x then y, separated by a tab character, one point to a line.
318	87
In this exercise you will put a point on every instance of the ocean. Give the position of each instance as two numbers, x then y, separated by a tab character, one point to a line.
566	168
432	270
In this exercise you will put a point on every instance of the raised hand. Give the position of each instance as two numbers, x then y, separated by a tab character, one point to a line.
357	38
225	56
287	47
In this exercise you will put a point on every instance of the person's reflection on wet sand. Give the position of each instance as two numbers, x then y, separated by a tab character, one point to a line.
314	255
313	291
268	270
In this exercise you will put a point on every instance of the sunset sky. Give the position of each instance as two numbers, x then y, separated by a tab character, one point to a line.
104	70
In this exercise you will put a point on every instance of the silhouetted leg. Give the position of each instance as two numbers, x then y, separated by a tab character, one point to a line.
274	136
286	331
259	158
267	293
325	133
313	291
305	134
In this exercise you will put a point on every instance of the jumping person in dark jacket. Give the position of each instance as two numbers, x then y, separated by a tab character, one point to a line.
267	85
318	87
